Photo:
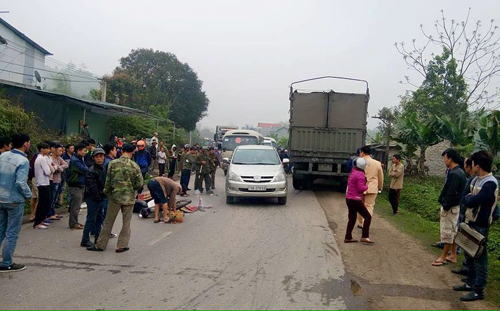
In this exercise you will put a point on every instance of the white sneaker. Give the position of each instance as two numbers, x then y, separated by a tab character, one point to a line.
41	227
113	235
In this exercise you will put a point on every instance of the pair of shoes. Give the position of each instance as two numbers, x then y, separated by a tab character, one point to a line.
113	235
367	241
472	296
87	244
12	268
122	250
460	271
94	249
41	227
463	288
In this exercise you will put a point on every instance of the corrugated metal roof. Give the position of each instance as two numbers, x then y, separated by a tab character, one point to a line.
96	106
24	37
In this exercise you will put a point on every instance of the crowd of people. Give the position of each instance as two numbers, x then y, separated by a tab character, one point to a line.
104	179
469	196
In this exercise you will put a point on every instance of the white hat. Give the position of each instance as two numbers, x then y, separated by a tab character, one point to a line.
360	163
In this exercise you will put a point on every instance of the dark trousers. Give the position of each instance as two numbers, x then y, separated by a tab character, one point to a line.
357	207
43	206
185	177
478	267
197	181
171	172
394	195
161	167
208	181
101	217
95	214
54	197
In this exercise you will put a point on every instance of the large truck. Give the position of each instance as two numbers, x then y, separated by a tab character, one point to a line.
220	131
326	128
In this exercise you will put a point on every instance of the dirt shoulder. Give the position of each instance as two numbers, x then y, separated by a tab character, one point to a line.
395	272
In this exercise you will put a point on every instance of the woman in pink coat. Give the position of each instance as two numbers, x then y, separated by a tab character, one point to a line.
356	186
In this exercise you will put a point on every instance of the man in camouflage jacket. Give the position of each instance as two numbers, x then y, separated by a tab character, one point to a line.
123	179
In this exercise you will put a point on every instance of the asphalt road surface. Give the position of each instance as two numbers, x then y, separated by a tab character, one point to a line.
255	254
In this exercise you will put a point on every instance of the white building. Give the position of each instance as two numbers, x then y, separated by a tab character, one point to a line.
19	56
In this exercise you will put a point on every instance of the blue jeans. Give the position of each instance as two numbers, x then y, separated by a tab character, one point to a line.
11	219
54	193
100	220
94	217
478	267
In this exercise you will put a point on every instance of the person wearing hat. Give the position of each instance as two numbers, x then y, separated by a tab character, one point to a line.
142	157
356	186
123	180
95	197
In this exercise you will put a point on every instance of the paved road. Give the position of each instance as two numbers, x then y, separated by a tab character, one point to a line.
253	255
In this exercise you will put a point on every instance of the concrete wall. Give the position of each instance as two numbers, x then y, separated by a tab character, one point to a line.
434	160
19	56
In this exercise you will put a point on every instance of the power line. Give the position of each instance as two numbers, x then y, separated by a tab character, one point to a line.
55	62
54	79
56	72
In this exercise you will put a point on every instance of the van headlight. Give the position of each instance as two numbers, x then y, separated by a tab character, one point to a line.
279	178
234	177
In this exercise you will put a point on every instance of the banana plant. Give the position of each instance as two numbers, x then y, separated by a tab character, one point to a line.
489	131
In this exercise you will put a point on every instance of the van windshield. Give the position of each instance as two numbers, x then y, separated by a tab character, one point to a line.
231	142
256	157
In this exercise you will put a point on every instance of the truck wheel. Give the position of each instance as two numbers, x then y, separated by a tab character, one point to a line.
225	172
297	183
229	200
307	183
282	201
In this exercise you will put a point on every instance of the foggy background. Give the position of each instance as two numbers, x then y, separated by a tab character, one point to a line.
247	52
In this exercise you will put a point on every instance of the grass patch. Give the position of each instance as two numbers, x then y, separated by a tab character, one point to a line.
419	217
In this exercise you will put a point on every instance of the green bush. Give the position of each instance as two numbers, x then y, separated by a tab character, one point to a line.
420	195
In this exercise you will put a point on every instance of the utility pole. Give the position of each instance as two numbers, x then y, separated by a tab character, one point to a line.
103	90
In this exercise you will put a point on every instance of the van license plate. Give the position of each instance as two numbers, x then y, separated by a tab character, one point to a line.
257	188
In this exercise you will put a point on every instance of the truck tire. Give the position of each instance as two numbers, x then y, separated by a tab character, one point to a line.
282	201
229	200
297	183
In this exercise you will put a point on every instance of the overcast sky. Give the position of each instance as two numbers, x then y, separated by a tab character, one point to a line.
246	52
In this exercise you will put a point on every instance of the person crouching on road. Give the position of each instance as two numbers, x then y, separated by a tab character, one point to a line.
356	186
123	179
164	192
95	198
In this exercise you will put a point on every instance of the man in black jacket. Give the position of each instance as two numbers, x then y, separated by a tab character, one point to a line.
94	195
450	205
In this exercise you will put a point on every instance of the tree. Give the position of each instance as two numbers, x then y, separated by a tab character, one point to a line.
283	143
472	50
414	131
387	117
489	133
147	78
458	131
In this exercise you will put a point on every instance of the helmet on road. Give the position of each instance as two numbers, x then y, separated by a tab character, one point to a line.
360	163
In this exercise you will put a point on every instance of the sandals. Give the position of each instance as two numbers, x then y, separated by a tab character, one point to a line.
439	263
77	227
449	260
367	241
122	250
